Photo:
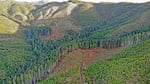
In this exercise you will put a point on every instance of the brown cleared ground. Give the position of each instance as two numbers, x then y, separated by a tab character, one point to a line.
87	57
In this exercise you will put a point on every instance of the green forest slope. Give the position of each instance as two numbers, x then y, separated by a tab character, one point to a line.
131	65
14	53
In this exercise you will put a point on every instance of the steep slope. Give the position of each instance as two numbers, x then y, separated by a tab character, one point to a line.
55	10
17	10
78	16
35	45
84	58
7	26
134	19
21	11
13	14
14	54
131	65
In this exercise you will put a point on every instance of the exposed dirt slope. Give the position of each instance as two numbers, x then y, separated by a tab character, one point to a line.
88	57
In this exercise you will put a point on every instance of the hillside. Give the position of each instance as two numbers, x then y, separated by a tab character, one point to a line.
5	24
62	17
37	40
130	66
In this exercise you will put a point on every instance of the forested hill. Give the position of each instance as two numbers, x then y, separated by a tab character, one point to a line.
35	36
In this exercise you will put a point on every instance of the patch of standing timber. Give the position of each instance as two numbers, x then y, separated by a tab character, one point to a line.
87	57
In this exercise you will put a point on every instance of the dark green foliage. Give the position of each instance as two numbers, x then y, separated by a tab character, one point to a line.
14	54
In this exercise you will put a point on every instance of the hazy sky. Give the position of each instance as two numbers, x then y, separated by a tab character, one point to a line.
136	1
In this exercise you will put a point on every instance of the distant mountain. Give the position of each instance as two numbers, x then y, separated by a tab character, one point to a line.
76	15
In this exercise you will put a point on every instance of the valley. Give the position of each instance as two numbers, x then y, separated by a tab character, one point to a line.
74	43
